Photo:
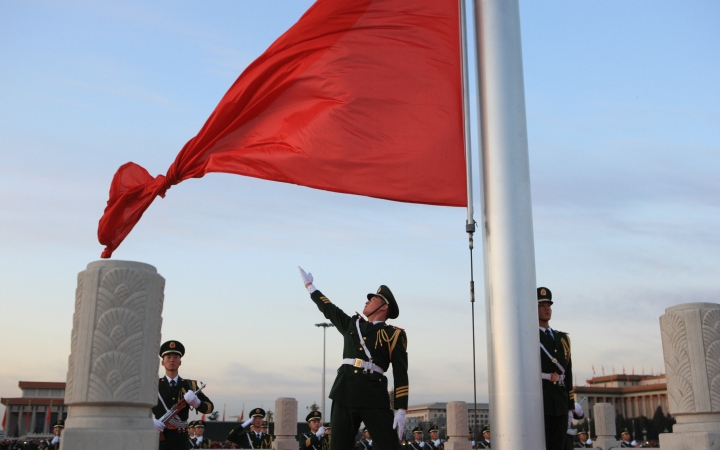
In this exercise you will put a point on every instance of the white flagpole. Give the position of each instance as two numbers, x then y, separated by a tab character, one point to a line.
516	404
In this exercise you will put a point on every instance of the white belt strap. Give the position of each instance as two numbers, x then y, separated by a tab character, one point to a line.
362	341
356	362
548	376
554	360
163	402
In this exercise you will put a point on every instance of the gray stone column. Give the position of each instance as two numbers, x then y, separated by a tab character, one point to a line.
286	418
691	349
457	427
113	365
605	426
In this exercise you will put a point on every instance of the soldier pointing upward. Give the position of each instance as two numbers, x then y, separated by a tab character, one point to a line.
360	392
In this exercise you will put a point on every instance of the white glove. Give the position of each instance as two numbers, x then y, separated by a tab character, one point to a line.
158	425
399	422
247	422
633	443
473	443
436	442
55	440
422	444
192	399
589	441
307	279
320	432
570	413
578	411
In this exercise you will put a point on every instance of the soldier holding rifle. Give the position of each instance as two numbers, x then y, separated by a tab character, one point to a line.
174	390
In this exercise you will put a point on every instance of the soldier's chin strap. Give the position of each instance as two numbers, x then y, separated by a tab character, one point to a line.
377	309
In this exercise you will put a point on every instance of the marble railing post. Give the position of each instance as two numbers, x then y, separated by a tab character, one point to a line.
286	418
605	426
457	427
113	364
691	348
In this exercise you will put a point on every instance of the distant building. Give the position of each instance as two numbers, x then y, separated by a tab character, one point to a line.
425	414
632	395
27	415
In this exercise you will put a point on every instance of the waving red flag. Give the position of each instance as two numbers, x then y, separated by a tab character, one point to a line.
359	96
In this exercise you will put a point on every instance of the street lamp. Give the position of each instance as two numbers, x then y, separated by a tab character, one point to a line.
324	326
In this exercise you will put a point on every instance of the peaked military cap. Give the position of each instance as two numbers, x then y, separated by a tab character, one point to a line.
191	424
486	429
59	424
433	428
264	424
417	430
199	424
314	415
365	429
624	430
172	347
583	431
544	295
384	293
257	412
327	425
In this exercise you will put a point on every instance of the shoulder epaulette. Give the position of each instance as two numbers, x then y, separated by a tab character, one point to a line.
397	328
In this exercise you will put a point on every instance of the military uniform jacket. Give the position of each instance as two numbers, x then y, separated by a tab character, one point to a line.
484	444
364	445
558	398
171	397
581	445
354	387
624	444
310	441
414	445
325	442
206	443
247	438
432	445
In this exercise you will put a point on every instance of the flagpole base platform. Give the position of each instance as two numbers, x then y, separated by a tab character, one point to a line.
116	427
112	376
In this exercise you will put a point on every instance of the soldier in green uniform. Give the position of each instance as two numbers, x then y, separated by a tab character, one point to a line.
266	430
556	365
360	391
199	440
249	434
312	440
417	443
191	432
625	439
173	389
435	442
485	443
366	442
58	428
325	444
585	441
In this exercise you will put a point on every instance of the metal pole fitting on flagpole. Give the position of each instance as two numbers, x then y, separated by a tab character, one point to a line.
516	403
470	223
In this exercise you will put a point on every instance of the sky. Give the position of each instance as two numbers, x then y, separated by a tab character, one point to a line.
623	111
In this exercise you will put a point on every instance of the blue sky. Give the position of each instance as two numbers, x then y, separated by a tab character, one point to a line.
623	107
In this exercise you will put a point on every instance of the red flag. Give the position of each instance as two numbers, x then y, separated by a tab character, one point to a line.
203	418
242	415
27	422
4	419
359	96
47	416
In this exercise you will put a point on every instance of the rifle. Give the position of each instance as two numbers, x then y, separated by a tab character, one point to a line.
175	410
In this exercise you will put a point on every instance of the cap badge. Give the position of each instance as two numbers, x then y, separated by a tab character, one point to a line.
543	292
379	289
172	345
